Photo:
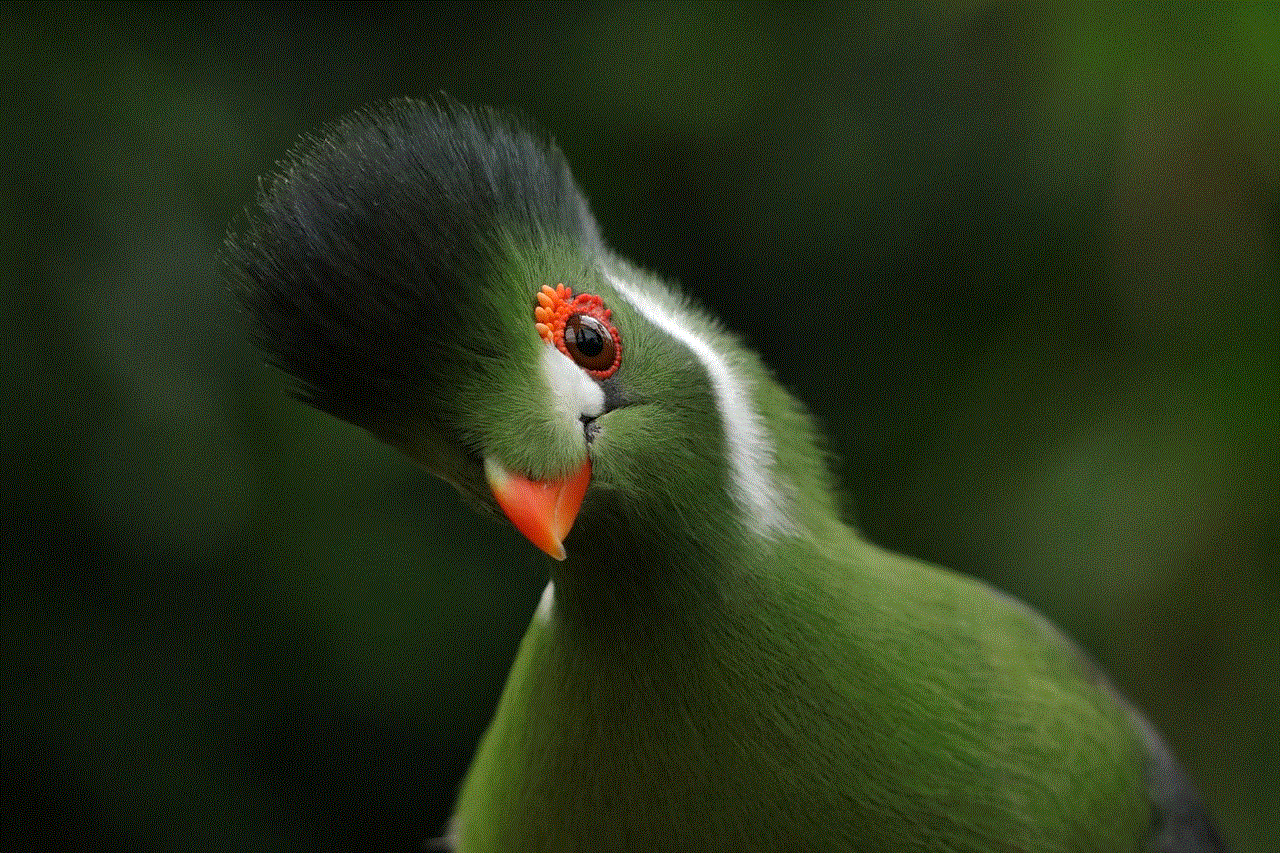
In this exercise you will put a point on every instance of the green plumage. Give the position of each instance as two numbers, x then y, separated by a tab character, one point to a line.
803	701
704	676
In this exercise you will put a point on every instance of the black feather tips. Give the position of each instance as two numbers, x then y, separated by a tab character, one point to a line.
370	235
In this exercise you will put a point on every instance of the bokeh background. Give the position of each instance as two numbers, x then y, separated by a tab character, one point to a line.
1022	261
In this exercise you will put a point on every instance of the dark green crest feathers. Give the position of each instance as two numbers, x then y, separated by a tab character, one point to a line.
370	236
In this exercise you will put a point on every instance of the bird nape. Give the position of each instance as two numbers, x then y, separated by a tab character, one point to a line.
719	662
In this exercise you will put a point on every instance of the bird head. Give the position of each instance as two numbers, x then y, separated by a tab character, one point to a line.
434	275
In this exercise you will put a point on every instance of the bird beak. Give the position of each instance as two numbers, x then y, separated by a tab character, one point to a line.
542	510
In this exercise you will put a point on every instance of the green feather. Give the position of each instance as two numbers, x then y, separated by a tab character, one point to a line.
807	700
723	663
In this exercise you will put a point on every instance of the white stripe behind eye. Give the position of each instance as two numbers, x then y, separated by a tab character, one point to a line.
751	454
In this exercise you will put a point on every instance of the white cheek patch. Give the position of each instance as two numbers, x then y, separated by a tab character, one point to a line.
574	394
751	454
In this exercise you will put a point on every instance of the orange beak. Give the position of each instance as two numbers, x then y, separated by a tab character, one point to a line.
544	510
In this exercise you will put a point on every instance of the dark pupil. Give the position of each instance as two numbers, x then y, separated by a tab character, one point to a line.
589	341
586	338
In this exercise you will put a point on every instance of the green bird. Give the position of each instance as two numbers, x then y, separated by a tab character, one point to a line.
719	662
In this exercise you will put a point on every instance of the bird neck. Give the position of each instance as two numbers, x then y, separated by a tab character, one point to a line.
703	579
611	586
692	551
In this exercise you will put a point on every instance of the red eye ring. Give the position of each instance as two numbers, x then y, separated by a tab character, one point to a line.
594	343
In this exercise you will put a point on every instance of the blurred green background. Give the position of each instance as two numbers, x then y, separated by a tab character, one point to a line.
1022	261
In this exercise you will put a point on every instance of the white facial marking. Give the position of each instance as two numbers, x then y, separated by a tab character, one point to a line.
573	392
750	447
548	601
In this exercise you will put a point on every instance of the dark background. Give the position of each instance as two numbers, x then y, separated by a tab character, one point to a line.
1020	260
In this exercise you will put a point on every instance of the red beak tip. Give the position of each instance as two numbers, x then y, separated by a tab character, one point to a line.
544	511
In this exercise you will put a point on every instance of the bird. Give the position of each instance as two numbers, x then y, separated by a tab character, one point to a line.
719	661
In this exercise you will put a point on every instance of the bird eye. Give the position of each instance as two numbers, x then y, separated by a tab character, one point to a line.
588	342
579	327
